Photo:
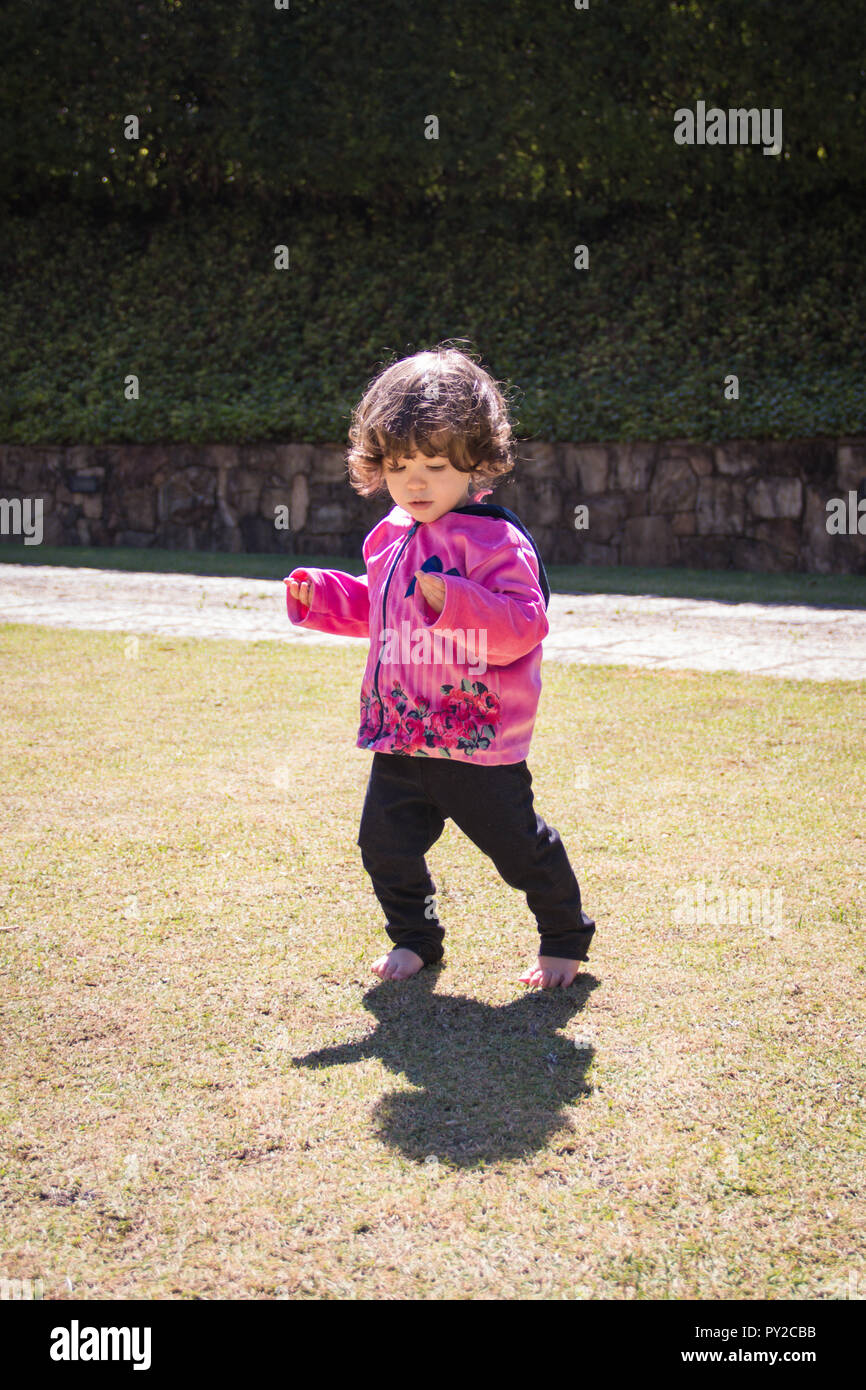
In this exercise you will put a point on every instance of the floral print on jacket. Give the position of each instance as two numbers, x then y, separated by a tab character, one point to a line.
467	720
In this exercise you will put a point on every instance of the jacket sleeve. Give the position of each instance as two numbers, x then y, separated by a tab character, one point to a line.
340	603
503	596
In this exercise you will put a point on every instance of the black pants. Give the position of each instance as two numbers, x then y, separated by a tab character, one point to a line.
407	803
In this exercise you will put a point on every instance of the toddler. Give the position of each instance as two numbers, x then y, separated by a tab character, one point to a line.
454	603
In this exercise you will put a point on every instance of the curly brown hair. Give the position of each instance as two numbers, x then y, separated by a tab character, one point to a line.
440	402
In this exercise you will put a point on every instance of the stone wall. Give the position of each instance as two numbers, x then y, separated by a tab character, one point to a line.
740	505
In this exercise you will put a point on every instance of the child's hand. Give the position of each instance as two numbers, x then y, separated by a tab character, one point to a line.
433	589
303	592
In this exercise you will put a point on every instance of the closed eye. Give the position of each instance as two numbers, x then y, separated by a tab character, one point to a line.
434	468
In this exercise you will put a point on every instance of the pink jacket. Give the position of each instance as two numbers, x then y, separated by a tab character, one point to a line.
463	683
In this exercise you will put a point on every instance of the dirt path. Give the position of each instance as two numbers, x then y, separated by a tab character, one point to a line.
592	629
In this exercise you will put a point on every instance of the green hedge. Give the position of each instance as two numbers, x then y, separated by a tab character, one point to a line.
307	126
228	349
330	98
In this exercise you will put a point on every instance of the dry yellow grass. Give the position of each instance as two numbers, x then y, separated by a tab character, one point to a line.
206	1093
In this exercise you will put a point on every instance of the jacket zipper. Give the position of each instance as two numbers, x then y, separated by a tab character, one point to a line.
378	732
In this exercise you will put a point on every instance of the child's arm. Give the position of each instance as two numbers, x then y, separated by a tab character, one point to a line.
503	597
329	601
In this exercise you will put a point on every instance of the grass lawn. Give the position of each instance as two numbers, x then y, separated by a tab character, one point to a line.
726	586
207	1094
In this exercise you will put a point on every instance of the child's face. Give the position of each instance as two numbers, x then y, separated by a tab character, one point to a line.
419	479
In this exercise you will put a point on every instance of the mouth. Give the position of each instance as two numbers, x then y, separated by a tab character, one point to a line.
421	504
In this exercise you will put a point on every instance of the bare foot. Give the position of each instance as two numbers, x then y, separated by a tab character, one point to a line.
550	971
399	964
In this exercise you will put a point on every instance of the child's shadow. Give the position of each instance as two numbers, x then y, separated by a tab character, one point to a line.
493	1079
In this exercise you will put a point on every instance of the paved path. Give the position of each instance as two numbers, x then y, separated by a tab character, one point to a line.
590	629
